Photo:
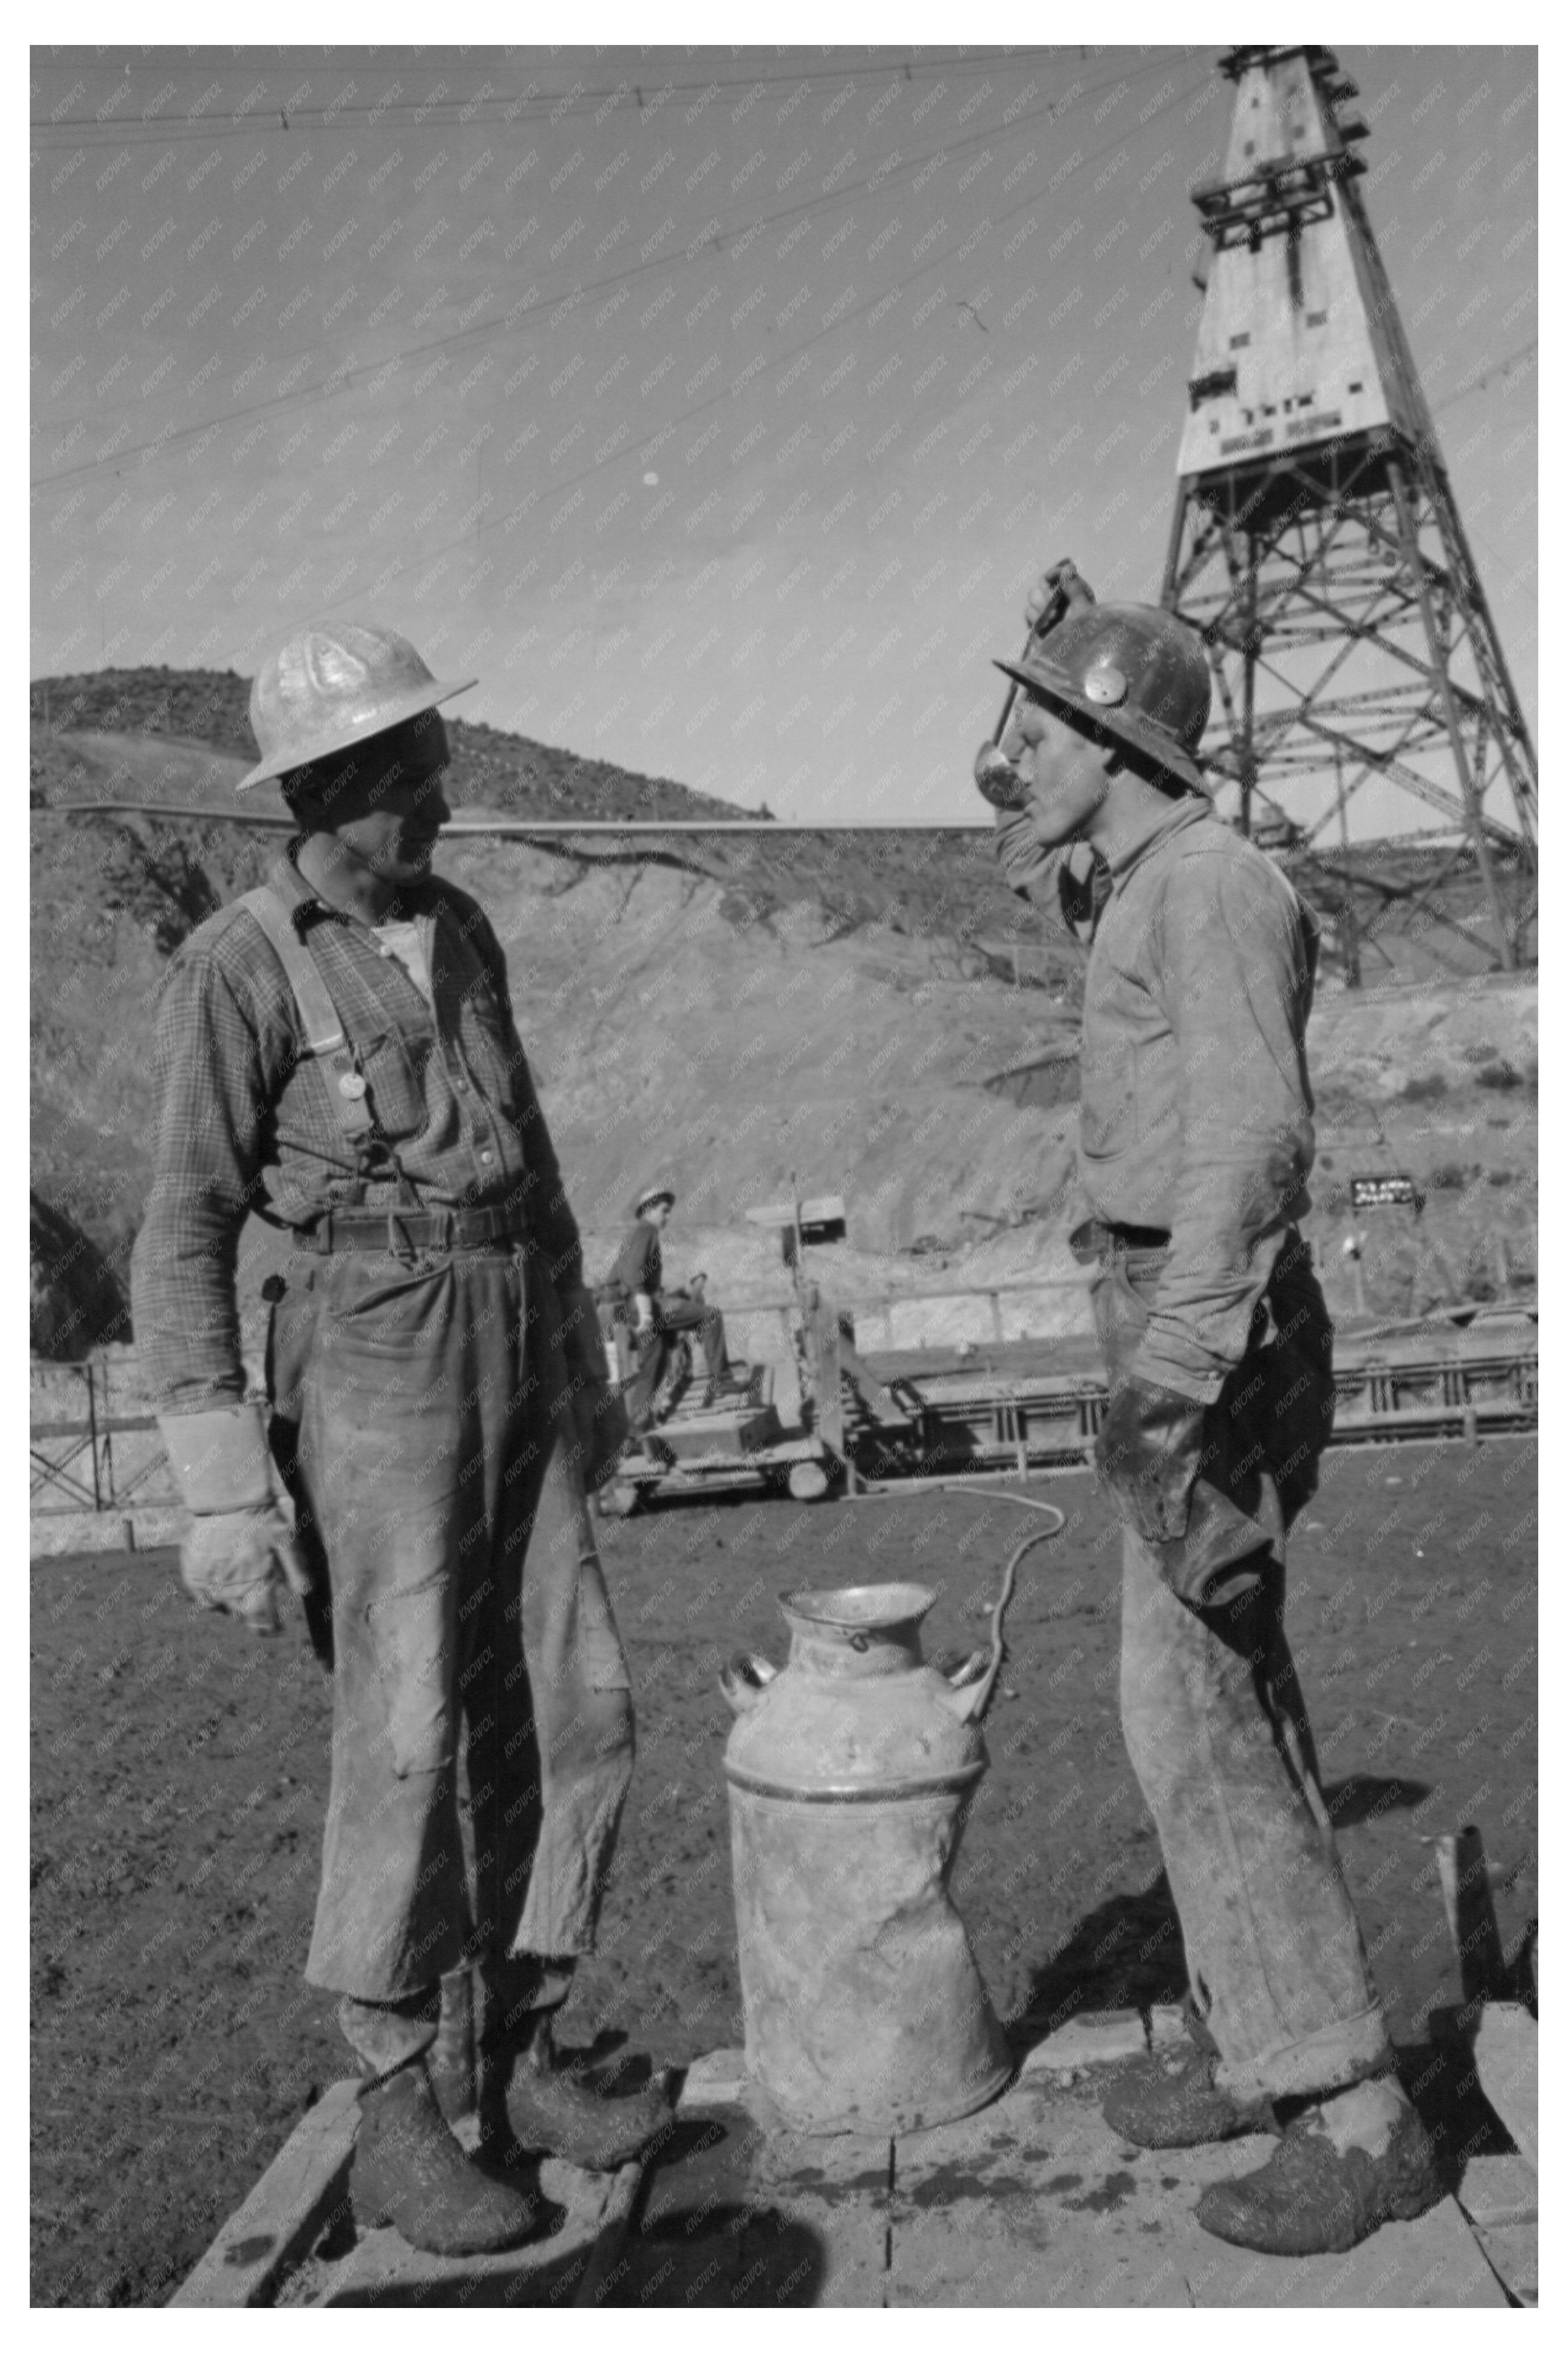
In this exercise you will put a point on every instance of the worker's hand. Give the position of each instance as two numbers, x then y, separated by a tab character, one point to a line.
1148	1452
1062	575
642	1315
601	1427
238	1561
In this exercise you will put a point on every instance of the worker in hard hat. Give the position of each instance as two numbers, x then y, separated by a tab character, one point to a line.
1196	1145
635	1290
337	1050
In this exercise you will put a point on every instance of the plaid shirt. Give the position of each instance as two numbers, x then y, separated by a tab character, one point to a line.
248	1123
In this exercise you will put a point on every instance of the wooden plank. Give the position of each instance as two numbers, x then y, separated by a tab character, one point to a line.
380	2269
1513	2250
285	2214
1433	2261
111	1428
1472	1922
598	2277
1499	2189
1507	2053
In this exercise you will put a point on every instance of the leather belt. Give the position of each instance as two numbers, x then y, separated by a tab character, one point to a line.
1095	1238
398	1231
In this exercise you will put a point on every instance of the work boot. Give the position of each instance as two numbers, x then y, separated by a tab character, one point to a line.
556	2110
1156	2107
410	2171
1313	2199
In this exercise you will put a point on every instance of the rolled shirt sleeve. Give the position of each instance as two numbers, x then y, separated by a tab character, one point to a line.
215	1090
1069	902
1232	968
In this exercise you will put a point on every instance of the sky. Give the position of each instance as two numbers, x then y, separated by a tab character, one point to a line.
713	407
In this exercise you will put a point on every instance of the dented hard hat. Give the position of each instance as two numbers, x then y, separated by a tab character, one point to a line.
327	688
1134	670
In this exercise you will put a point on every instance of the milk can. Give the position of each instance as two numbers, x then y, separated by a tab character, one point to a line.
851	1775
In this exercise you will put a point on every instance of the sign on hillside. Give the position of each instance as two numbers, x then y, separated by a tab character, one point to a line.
1386	1193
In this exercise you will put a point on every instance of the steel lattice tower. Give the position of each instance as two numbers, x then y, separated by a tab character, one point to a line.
1316	541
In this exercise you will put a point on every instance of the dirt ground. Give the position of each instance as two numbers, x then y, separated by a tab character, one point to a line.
179	1778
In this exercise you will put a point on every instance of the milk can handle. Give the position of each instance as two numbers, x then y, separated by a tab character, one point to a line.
744	1680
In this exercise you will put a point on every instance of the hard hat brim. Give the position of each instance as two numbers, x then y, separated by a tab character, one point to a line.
1055	686
374	721
645	1201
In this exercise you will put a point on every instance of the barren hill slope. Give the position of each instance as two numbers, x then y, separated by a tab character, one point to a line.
734	1012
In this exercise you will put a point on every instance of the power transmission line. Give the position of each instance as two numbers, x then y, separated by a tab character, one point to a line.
572	101
899	170
529	314
697	408
1490	374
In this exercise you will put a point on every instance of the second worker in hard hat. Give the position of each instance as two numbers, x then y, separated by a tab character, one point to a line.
338	1050
1194	1149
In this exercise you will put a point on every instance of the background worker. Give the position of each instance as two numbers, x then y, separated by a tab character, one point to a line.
437	1406
1196	1144
636	1283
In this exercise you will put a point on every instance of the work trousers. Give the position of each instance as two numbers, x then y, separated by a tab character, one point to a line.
674	1312
1215	1724
481	1717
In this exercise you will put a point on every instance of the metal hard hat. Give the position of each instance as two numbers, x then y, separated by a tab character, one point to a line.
661	1189
328	687
1134	670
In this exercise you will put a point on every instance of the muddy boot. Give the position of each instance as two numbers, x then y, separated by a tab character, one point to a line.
410	2172
553	2109
1322	2192
1156	2107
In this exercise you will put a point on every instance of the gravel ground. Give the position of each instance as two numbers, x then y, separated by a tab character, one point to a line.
179	1777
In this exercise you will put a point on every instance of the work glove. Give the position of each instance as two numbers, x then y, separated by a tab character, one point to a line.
1148	1452
238	1560
241	1547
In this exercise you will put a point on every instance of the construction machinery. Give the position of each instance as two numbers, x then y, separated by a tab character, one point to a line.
1014	1409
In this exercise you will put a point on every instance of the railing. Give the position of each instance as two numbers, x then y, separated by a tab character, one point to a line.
75	1464
99	1460
885	1303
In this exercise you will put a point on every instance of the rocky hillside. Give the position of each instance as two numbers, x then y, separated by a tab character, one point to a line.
734	1010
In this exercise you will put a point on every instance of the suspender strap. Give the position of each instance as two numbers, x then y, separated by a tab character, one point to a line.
324	1034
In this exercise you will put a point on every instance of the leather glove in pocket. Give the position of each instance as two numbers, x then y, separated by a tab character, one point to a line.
1149	1453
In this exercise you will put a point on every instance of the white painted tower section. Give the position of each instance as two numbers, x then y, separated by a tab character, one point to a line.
1298	343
